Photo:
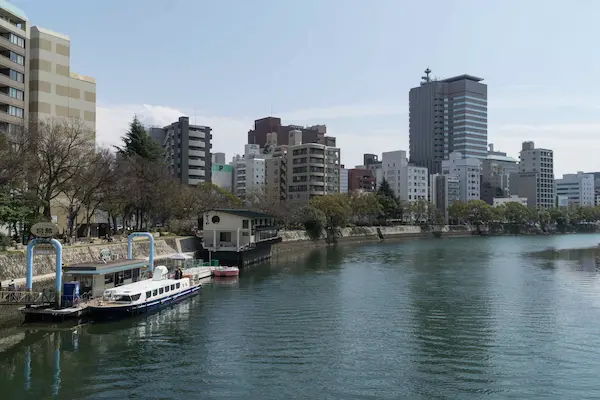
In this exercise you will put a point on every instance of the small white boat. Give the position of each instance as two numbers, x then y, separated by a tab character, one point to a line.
143	296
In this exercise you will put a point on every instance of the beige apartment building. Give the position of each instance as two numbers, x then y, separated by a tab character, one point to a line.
14	42
312	169
56	91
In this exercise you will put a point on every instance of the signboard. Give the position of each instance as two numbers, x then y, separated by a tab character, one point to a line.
44	248
44	229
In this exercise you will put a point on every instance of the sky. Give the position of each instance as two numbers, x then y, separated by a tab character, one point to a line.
348	64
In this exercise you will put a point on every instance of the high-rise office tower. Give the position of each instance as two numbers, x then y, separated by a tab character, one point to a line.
445	116
535	180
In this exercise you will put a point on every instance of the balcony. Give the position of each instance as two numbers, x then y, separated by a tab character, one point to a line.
6	99
196	153
6	117
6	81
196	162
7	44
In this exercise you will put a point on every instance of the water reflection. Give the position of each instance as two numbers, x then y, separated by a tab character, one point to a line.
452	317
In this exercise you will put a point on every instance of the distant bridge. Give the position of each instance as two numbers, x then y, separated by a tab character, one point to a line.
26	298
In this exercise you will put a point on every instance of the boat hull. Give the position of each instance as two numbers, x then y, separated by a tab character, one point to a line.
98	313
226	272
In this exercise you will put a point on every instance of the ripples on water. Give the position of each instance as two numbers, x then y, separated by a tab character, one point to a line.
449	319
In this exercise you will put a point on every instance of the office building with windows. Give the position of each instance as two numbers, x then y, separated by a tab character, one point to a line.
409	182
446	116
468	172
187	150
578	188
535	179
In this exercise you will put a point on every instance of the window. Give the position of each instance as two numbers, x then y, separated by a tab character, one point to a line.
245	224
127	274
173	287
178	285
16	94
135	297
166	289
215	219
148	294
160	291
154	292
15	111
19	59
109	278
19	41
17	76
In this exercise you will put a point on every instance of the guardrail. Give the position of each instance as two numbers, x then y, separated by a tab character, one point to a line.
15	297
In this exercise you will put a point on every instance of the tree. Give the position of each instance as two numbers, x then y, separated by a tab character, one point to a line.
364	207
479	213
137	142
336	209
458	212
59	150
313	220
386	190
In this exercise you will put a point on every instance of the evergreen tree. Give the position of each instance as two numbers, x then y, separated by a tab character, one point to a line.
137	142
385	190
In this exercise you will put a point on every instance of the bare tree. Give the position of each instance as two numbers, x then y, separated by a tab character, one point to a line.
59	152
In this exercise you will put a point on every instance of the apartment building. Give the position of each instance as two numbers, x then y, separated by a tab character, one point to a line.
535	179
312	169
409	182
361	179
187	150
578	188
268	126
14	68
468	173
249	171
54	90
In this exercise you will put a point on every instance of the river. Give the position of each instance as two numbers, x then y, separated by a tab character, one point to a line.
453	318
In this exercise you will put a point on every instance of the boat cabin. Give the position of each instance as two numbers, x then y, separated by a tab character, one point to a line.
237	230
96	277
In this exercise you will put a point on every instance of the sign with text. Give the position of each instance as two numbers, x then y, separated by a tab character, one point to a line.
44	229
44	248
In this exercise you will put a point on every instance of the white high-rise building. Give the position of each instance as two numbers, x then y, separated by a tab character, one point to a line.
409	182
468	172
578	188
248	171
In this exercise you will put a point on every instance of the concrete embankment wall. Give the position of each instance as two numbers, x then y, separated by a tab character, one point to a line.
300	240
13	263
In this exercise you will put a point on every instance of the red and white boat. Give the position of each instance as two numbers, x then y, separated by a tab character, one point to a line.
225	271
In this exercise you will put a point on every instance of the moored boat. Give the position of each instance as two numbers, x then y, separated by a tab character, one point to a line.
143	296
225	271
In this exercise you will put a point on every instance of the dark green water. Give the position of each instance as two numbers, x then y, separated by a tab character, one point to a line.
465	318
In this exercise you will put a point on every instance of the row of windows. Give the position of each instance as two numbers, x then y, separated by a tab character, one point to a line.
160	291
16	111
16	94
14	39
17	58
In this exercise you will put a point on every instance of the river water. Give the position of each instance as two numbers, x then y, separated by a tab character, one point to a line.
460	318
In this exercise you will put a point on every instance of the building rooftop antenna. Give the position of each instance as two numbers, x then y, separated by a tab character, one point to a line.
426	78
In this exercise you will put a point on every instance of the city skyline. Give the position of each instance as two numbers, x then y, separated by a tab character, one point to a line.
531	97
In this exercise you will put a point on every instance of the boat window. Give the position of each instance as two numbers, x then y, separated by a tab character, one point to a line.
160	291
127	274
154	292
148	294
109	278
136	297
173	287
166	288
124	297
177	286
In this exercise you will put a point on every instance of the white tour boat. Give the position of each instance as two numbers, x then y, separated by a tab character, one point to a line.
143	296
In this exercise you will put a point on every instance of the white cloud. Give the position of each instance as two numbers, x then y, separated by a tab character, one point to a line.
229	135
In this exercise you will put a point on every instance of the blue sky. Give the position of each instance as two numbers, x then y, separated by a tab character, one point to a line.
345	63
